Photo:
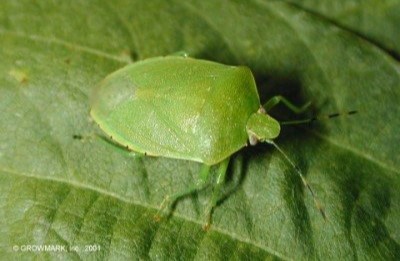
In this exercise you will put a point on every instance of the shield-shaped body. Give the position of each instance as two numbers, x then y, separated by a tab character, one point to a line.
177	107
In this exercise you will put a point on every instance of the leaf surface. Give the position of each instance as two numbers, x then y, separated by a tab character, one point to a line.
100	202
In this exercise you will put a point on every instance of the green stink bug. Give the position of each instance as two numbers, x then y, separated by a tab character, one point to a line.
185	108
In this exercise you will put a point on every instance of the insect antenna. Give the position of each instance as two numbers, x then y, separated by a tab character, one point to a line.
303	179
318	118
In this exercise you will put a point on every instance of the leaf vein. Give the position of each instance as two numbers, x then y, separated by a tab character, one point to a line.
73	46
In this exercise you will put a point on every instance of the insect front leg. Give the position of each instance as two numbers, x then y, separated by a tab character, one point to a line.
278	99
169	201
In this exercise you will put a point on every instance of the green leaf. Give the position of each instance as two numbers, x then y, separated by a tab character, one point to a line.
98	202
375	21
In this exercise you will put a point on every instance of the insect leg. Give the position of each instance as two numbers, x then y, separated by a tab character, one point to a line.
217	190
182	54
169	201
277	99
